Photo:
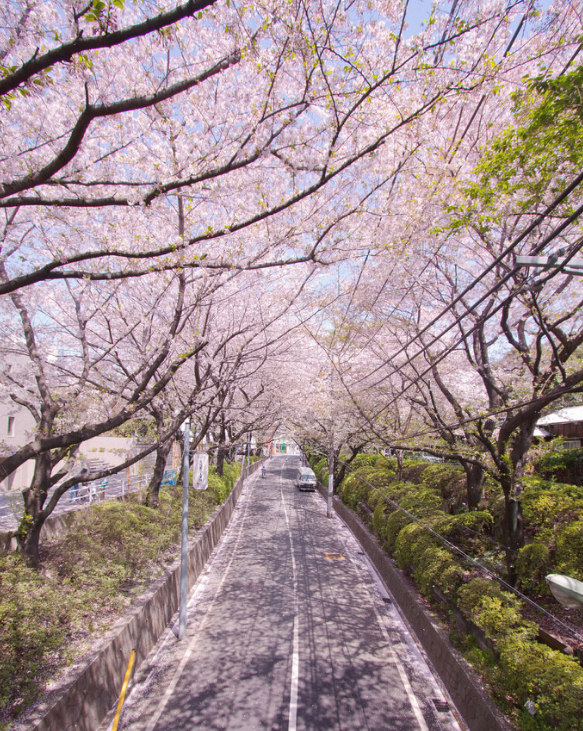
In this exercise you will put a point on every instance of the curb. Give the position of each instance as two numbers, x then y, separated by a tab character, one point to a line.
84	698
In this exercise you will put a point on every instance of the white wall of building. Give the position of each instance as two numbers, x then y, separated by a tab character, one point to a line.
16	429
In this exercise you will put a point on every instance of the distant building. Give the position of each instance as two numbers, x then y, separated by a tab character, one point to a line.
17	426
283	444
566	423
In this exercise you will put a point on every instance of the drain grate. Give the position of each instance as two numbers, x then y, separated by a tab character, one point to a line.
440	706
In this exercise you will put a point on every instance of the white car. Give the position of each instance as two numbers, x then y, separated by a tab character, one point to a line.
306	479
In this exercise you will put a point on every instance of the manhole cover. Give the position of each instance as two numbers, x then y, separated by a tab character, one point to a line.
441	706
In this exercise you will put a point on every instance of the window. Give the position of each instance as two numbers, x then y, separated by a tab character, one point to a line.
11	420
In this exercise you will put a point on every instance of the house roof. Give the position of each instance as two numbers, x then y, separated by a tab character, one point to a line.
540	433
570	415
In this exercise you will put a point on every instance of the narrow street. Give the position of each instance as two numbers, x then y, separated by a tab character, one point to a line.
288	628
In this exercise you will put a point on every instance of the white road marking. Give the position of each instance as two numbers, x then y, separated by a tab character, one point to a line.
186	657
295	671
414	703
402	674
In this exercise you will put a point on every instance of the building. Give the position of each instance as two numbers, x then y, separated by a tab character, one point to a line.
566	423
17	426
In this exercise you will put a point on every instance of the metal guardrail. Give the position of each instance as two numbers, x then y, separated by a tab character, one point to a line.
76	497
106	489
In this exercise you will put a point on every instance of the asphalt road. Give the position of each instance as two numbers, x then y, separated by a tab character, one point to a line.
287	629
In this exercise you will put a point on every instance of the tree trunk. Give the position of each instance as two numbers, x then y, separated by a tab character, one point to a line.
512	527
513	532
221	453
512	464
474	484
33	519
153	494
342	467
399	456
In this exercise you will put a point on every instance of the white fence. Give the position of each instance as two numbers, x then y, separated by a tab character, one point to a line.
110	488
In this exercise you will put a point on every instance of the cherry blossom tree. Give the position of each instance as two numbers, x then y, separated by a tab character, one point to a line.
266	119
485	346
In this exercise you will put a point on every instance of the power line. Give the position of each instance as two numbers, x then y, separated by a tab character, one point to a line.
437	511
498	260
449	349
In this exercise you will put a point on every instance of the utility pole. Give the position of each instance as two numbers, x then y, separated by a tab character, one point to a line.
248	452
330	472
184	547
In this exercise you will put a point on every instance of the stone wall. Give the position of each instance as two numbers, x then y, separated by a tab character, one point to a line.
92	688
463	686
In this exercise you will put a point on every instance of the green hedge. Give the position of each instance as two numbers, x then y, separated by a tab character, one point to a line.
525	670
221	486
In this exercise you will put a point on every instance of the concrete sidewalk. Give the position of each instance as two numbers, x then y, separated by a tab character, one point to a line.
288	628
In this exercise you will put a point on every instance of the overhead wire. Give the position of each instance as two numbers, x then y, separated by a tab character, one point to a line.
528	229
450	21
495	263
482	536
438	359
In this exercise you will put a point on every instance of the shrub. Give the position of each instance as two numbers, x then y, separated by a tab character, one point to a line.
413	470
547	505
438	567
411	541
552	680
355	488
496	611
444	478
320	465
396	521
34	627
563	464
379	519
569	553
363	460
221	486
462	528
530	568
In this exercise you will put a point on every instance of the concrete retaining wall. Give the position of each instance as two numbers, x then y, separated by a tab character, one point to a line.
92	687
464	688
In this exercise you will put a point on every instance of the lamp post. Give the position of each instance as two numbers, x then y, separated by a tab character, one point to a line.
184	544
330	469
573	267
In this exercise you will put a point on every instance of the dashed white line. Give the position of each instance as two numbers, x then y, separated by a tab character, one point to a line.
295	669
186	657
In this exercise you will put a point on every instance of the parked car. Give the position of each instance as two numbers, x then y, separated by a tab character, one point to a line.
306	479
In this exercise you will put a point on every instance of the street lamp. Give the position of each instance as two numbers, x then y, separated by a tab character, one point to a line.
555	260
